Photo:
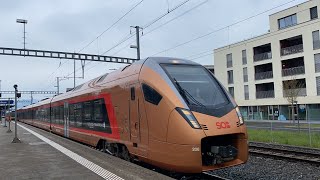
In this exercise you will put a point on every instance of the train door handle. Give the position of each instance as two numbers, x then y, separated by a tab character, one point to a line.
136	125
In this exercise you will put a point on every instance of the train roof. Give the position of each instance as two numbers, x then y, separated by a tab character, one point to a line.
107	78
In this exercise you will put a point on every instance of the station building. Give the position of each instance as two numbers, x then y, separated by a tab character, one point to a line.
276	75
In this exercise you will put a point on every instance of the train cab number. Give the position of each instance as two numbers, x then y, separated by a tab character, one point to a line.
223	125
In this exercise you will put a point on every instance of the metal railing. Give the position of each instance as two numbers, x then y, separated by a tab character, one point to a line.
316	45
293	71
265	94
262	56
263	75
295	92
292	50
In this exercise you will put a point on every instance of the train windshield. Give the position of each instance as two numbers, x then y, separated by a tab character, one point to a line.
196	86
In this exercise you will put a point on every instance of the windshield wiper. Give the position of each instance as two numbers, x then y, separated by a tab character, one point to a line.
184	93
181	90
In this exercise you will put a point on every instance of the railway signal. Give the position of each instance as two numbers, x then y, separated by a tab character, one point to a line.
15	139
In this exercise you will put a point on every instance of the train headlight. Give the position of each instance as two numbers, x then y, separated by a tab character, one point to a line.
189	117
239	116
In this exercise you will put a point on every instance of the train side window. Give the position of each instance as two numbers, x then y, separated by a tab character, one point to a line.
133	94
97	112
151	95
88	111
71	113
78	112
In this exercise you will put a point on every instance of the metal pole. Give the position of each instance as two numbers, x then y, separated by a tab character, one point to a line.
9	129
16	139
74	73
5	114
309	134
272	140
138	41
57	85
31	97
24	37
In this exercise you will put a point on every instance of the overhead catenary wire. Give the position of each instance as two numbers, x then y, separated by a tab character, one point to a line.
161	25
220	29
96	38
126	38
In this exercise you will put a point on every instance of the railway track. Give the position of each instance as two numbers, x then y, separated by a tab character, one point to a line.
280	153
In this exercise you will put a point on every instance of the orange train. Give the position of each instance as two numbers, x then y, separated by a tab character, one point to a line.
168	112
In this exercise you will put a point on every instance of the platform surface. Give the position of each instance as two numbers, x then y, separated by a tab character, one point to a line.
43	155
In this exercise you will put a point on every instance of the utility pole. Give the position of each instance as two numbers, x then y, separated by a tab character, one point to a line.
137	46
9	129
74	73
15	139
24	22
31	97
58	79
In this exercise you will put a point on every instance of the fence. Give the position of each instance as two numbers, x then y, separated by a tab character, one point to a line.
285	132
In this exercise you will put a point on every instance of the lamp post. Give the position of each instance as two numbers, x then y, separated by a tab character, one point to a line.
15	139
24	22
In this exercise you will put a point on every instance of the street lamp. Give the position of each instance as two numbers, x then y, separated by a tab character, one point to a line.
16	95
24	22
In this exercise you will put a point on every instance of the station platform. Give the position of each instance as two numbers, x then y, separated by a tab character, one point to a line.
43	155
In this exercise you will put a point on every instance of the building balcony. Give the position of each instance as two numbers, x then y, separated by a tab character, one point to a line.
265	94
295	92
262	56
292	50
293	71
263	75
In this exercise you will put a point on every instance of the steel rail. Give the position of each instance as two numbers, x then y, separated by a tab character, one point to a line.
293	155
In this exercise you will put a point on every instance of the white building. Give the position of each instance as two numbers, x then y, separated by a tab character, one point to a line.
261	72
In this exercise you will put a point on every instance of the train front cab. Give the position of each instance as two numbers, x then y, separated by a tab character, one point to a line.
186	135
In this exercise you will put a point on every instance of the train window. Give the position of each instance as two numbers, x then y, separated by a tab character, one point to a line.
133	95
71	112
78	112
88	111
97	115
151	95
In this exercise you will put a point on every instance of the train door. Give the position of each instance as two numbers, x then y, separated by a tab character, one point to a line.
134	117
66	119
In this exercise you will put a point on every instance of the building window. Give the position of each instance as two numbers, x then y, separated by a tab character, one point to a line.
316	40
318	85
231	91
246	92
314	13
317	62
244	57
229	60
245	74
230	77
287	21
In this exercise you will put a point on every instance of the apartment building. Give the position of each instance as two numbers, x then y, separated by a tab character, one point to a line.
269	73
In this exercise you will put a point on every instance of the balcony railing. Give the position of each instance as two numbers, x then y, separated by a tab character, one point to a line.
262	56
316	45
293	71
265	94
246	96
294	92
244	60
229	64
292	50
263	75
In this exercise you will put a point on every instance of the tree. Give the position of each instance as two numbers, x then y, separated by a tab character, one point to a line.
291	90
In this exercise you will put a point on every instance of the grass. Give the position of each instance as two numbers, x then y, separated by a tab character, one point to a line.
285	137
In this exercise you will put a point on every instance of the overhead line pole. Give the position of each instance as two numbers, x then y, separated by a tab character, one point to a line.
137	46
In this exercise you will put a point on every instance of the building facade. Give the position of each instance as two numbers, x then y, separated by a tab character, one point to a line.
276	76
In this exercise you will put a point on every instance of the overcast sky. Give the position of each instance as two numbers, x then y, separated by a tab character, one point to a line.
69	25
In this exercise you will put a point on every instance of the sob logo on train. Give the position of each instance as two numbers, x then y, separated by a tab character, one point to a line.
223	125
